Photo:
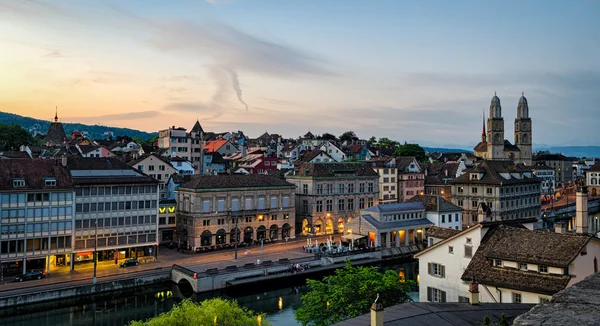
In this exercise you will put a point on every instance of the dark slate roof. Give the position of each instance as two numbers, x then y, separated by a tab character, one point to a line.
522	245
218	158
310	155
441	314
34	171
435	203
197	127
403	162
96	163
396	207
576	305
336	170
491	173
594	168
181	178
148	148
481	147
396	224
14	154
280	173
441	232
550	157
510	147
56	134
145	156
235	181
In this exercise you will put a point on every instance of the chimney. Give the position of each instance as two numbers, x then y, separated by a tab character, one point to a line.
377	313
64	160
581	214
558	228
243	150
474	290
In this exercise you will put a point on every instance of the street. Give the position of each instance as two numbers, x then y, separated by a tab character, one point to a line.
107	270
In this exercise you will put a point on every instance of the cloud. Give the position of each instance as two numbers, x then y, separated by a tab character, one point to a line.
202	110
117	117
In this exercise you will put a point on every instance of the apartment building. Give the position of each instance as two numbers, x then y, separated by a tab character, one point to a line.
179	142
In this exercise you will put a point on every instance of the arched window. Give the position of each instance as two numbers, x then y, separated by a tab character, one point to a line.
525	139
516	139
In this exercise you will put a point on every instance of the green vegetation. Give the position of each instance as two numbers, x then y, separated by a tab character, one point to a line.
350	293
219	312
411	150
13	136
348	136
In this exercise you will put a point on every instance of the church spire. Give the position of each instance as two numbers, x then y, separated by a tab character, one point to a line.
56	114
483	135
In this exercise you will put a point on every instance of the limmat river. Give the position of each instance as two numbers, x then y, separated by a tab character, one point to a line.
277	301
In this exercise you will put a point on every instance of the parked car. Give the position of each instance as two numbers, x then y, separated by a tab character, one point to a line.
32	275
130	262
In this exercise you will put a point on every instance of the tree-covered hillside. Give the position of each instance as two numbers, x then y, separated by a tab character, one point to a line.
95	131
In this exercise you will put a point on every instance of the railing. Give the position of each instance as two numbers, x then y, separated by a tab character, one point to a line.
252	266
184	270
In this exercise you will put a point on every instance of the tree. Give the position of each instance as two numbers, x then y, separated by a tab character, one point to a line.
411	150
348	136
13	136
372	140
209	312
486	321
349	293
328	136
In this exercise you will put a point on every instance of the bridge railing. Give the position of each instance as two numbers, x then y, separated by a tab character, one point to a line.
253	266
184	270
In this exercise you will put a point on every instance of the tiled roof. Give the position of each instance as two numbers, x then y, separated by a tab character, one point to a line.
396	207
234	181
34	172
510	147
594	168
481	147
88	148
403	162
95	163
441	232
310	155
14	154
550	157
336	170
214	145
435	203
181	178
491	173
522	245
56	134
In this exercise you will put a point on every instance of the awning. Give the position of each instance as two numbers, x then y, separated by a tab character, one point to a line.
353	236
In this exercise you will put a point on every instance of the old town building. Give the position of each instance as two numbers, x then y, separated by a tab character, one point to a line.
562	166
330	194
189	145
215	209
592	179
497	190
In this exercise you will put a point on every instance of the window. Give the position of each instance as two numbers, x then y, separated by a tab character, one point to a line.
450	249
474	204
50	182
361	203
516	297
305	189
462	299
474	190
489	191
273	202
370	201
461	190
341	205
460	202
468	251
150	167
319	206
351	204
469	240
443	218
370	189
436	269
248	219
206	206
286	201
205	222
361	187
319	189
386	180
544	300
329	203
350	188
221	205
329	189
543	269
248	203
435	295
261	203
456	217
498	262
18	183
523	267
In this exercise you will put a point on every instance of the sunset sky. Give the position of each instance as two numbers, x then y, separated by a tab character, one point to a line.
408	70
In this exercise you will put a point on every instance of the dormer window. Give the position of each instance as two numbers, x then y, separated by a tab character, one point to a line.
498	262
17	183
523	266
50	182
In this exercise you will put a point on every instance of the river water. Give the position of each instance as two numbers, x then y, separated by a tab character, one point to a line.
277	301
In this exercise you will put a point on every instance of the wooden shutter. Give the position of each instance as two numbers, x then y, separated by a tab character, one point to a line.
443	296
430	268
443	270
429	293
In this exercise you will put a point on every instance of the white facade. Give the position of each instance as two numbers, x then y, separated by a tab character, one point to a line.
452	257
452	220
337	154
183	167
548	180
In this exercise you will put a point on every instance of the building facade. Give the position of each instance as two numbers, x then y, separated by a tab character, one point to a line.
497	191
562	166
411	178
388	182
592	179
217	209
440	211
548	185
329	195
116	210
179	142
493	146
156	167
167	225
36	201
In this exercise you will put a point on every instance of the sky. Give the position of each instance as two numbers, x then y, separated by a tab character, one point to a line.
415	71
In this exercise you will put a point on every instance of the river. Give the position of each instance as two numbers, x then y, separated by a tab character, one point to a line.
276	301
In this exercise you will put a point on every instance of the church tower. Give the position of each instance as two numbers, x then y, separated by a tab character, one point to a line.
495	134
523	131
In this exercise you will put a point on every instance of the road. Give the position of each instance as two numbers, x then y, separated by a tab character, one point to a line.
107	270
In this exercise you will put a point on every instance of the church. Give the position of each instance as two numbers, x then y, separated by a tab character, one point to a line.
493	146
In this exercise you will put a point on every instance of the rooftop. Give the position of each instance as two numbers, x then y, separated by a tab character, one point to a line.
34	172
492	171
228	181
396	207
335	170
441	314
441	232
435	203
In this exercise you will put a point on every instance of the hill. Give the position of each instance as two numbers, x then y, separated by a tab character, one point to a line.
576	151
94	131
445	150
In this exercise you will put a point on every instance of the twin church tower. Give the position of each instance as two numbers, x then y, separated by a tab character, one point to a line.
493	146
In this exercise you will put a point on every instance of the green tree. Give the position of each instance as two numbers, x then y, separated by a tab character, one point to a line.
486	321
349	293
328	136
411	150
372	140
503	321
348	136
13	136
216	311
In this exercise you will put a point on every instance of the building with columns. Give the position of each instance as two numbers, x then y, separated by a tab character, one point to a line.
217	209
493	146
329	195
392	225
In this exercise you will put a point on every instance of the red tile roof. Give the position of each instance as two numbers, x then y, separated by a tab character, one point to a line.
214	145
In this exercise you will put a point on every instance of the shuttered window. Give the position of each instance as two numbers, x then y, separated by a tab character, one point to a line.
273	202
435	295
248	203
436	269
286	202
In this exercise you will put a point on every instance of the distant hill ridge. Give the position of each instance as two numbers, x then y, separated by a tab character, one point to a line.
94	131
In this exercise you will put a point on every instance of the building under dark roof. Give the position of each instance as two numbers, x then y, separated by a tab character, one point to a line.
441	232
493	171
102	170
14	154
34	173
441	314
335	170
230	181
434	203
56	133
524	246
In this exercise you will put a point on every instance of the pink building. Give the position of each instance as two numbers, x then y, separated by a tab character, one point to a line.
411	178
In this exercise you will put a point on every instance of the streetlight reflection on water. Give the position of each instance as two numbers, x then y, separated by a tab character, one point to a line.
280	303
